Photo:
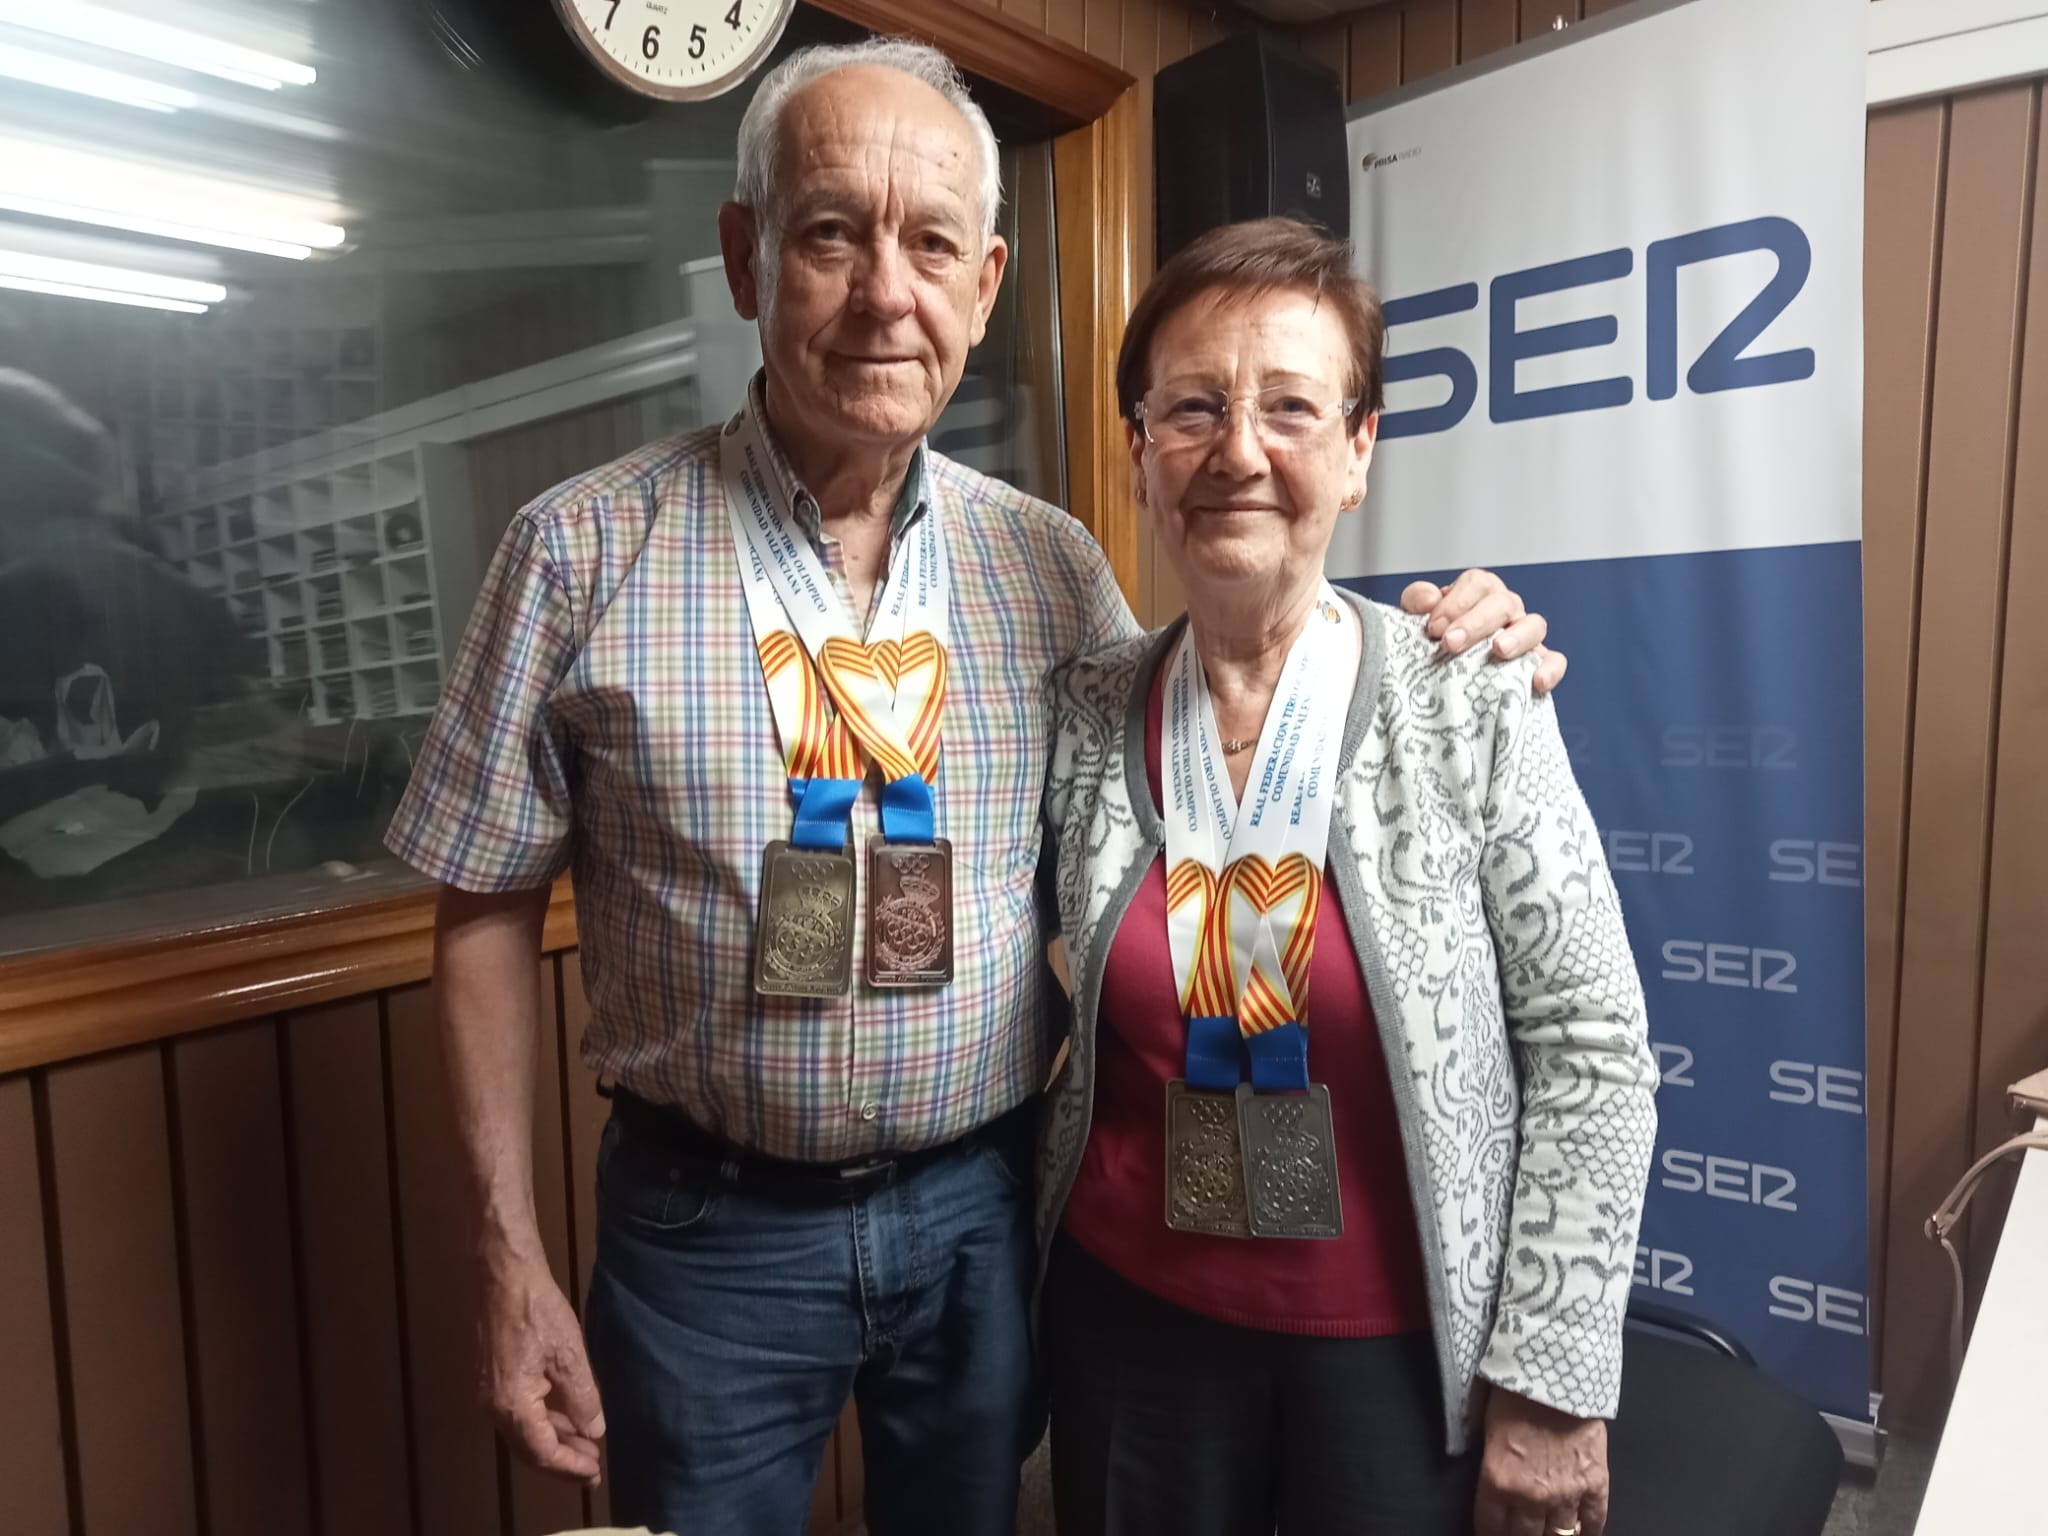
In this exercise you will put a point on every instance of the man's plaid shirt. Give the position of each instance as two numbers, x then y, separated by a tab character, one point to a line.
606	714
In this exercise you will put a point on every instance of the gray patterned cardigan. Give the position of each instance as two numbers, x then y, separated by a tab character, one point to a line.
1507	1002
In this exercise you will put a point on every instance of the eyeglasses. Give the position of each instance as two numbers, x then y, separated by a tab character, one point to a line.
1183	416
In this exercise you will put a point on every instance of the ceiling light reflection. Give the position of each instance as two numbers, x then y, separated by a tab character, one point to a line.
99	295
130	34
90	80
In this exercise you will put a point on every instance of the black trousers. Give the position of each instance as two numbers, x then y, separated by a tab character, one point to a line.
1165	1423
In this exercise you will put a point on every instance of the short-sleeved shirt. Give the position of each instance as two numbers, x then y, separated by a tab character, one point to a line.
606	714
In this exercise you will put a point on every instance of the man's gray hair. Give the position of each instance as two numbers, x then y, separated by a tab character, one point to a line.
760	139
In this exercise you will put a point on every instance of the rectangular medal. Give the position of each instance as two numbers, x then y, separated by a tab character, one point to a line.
803	937
1204	1167
1290	1163
910	913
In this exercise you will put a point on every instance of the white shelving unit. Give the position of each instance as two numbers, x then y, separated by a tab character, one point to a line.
355	554
355	571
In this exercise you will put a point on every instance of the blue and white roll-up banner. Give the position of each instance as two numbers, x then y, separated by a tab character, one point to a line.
1623	274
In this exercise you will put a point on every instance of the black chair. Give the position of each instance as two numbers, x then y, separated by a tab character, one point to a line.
1705	1444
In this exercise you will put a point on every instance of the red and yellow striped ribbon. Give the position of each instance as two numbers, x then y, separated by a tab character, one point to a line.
1262	1005
830	741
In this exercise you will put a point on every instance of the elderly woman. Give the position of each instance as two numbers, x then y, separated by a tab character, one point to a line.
1343	1169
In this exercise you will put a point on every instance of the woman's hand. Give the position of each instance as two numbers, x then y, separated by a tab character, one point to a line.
1544	1472
1478	606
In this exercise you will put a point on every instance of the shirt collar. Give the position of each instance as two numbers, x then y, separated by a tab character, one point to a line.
912	500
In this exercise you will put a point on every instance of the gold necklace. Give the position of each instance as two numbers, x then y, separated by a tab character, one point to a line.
1232	748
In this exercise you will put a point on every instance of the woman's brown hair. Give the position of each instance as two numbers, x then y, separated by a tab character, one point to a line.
1259	256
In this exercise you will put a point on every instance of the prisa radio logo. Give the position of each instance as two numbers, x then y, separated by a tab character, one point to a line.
1723	365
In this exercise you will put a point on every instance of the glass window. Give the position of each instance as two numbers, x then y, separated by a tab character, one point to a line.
298	303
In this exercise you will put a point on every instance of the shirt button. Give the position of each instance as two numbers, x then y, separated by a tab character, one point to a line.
869	1111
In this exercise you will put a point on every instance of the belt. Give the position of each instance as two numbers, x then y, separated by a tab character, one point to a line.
787	1179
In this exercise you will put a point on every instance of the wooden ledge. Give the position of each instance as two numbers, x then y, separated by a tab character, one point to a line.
985	42
78	1002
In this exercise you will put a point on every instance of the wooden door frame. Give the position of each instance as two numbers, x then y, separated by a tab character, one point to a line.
63	1004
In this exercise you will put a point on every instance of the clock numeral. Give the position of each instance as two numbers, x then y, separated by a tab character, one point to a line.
650	43
697	42
732	17
611	16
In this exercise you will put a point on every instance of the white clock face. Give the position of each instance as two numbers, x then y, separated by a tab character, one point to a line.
680	50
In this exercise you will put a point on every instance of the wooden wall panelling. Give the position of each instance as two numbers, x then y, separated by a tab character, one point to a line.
455	1450
1140	53
69	1004
1176	33
31	1408
347	1235
1429	38
541	1503
1485	26
1104	30
2014	1038
110	1154
1030	12
1096	191
1902	259
1540	17
1375	49
1009	51
584	1113
242	1290
1067	20
1970	461
1328	43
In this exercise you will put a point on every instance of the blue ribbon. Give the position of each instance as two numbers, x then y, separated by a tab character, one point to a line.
1280	1059
1212	1059
907	810
824	807
1214	1062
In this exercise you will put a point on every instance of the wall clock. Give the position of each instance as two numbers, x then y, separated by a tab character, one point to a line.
676	50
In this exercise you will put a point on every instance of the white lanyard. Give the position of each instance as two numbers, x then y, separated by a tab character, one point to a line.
889	689
1243	882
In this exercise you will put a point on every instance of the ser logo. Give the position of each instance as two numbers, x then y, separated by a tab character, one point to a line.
1799	861
1729	1178
1767	747
1721	366
1805	1082
1649	853
1674	1066
1824	1306
1661	1270
1729	965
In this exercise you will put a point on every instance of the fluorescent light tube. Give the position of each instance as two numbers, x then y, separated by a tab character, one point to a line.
126	33
88	274
101	295
90	80
58	183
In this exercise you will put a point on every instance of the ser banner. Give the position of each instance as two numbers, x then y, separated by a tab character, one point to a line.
1623	274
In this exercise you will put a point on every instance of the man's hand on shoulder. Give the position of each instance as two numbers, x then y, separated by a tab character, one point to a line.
1479	606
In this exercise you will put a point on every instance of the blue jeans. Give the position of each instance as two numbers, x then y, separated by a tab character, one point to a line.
727	1329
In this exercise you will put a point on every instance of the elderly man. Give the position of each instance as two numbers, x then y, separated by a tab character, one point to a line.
681	670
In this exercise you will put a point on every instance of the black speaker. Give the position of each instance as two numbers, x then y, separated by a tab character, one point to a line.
1247	128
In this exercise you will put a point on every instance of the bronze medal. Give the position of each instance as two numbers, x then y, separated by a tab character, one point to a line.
803	939
1204	1166
1290	1163
910	913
